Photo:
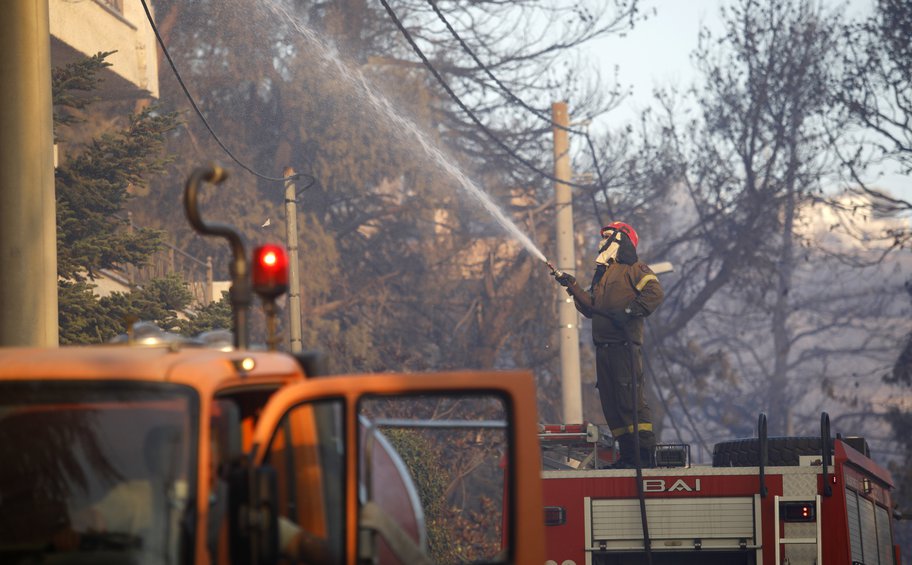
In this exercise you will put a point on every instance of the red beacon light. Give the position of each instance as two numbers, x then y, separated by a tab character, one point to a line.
270	271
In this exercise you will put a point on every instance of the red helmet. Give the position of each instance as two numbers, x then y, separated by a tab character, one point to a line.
626	228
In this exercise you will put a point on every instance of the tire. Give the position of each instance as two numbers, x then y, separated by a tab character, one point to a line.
780	451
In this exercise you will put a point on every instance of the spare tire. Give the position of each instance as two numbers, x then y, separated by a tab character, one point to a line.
780	451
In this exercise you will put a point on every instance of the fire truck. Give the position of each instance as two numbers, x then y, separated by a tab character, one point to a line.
161	450
763	501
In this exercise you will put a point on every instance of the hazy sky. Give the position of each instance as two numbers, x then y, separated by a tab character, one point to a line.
657	53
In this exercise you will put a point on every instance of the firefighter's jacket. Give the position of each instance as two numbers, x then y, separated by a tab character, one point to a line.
619	301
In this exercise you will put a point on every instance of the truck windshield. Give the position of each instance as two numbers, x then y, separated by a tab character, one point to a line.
96	472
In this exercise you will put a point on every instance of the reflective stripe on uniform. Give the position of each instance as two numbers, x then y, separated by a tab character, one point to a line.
644	427
645	280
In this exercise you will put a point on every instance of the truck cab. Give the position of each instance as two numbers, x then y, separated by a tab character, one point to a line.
179	454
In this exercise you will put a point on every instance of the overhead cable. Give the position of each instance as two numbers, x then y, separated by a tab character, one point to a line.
430	67
658	392
511	96
199	112
504	88
675	389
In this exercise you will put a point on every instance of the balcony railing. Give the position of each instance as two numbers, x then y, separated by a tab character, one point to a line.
170	259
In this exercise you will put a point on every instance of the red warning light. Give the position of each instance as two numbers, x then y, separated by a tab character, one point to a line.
270	270
798	511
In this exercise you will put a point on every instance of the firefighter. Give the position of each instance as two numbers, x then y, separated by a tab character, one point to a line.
622	293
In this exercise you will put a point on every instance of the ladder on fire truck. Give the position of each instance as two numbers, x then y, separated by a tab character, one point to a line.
816	539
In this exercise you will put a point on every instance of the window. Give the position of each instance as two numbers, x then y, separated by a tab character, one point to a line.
447	455
102	467
430	478
307	453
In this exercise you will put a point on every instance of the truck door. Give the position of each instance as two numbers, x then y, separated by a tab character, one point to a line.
433	468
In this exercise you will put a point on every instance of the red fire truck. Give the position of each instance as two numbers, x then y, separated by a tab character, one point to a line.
763	501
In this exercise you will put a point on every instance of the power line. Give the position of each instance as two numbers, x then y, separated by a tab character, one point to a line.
430	67
658	393
180	81
677	393
506	90
511	96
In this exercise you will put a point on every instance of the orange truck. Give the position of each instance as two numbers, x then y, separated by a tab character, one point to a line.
161	450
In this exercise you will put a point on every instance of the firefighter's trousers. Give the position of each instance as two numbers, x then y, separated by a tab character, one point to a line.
616	365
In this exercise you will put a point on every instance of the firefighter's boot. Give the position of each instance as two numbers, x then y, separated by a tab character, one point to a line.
625	460
647	457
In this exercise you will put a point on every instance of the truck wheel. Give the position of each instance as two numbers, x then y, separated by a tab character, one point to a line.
780	451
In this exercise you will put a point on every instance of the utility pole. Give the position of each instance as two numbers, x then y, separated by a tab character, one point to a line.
294	281
571	390
28	225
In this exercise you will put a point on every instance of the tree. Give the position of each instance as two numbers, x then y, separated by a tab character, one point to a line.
93	186
94	183
212	316
748	325
900	420
877	95
403	271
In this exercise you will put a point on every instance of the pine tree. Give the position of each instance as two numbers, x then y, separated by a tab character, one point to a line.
93	186
215	315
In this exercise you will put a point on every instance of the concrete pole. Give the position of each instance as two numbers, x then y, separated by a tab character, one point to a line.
28	226
210	283
571	390
294	281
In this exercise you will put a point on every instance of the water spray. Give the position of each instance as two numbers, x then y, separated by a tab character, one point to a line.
358	83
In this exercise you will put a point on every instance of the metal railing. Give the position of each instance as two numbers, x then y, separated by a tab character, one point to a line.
170	259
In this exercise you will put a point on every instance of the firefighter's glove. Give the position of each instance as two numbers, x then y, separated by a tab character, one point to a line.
564	279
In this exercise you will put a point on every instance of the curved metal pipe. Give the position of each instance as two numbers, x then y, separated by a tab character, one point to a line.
240	293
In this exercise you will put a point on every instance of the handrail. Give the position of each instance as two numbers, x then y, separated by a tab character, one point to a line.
240	292
826	450
170	246
764	452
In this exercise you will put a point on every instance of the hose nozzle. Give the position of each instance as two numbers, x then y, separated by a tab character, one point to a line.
554	271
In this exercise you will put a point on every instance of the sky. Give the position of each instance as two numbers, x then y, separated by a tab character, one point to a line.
657	53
